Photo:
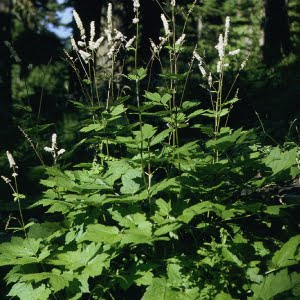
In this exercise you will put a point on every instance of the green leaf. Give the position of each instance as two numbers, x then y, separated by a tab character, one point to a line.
115	171
159	290
117	110
131	181
164	207
229	102
164	185
148	132
153	96
142	234
19	251
286	255
223	296
44	230
57	279
167	229
101	233
196	113
279	161
97	264
226	141
189	213
145	278
141	73
160	137
275	284
25	291
229	256
174	76
92	127
190	104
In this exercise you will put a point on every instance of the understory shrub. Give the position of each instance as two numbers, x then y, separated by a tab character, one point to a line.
173	203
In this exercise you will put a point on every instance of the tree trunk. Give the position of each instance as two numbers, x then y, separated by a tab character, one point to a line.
5	64
277	41
151	25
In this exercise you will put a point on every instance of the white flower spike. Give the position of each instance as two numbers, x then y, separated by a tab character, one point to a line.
10	159
166	25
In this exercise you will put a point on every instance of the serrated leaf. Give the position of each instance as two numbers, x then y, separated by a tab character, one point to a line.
117	110
145	278
167	229
92	127
275	284
174	76
131	181
148	132
43	230
74	260
223	296
19	251
101	233
159	290
279	161
229	256
57	280
142	234
286	255
160	137
196	113
164	207
189	213
97	264
25	291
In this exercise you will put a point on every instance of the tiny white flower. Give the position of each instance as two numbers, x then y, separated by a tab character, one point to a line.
48	149
119	36
73	43
180	40
243	64
135	20
14	174
129	43
60	152
54	141
84	55
227	25
10	159
197	56
136	5
202	70
6	179
234	52
166	25
219	67
96	45
79	23
220	46
209	80
173	2
154	48
108	35
226	65
92	31
109	16
81	44
111	51
67	54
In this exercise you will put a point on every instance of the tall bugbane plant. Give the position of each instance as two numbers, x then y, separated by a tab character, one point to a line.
154	216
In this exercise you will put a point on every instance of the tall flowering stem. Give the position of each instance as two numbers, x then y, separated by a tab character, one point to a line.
136	6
